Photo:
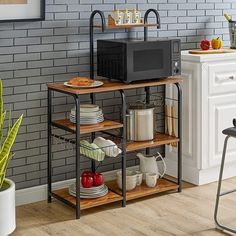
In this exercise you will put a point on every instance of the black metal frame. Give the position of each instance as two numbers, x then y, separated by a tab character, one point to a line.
230	133
146	21
41	18
123	129
77	149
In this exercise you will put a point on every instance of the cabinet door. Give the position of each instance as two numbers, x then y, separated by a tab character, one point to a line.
222	110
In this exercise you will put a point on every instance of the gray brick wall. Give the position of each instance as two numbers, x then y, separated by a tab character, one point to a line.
34	53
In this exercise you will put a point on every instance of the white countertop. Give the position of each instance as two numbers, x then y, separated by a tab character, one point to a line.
207	57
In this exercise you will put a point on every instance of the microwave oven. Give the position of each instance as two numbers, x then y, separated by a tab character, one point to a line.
131	60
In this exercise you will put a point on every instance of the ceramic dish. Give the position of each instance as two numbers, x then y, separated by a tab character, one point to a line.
93	192
95	84
87	108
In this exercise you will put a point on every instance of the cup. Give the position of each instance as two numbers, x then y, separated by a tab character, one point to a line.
139	177
136	16
151	179
118	17
127	19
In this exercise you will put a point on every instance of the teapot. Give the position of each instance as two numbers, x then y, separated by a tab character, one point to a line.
148	164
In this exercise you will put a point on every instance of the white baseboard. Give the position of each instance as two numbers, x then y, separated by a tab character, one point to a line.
39	193
201	177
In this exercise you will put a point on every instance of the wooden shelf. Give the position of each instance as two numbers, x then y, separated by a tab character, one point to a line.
88	203
159	140
85	129
127	26
163	185
110	86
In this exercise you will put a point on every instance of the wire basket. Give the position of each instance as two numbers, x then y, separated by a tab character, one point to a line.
92	151
232	34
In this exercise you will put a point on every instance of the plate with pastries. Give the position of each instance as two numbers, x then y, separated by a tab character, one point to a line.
83	82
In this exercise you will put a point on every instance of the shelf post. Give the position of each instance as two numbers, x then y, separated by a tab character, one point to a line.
180	136
147	91
77	156
123	148
93	162
49	145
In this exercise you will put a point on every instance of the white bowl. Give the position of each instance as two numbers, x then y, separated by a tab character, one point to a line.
131	180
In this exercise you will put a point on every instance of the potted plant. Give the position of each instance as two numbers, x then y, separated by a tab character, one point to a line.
7	187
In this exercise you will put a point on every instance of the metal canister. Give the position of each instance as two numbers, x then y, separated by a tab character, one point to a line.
141	122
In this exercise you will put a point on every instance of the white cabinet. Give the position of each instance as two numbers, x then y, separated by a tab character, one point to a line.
209	105
221	111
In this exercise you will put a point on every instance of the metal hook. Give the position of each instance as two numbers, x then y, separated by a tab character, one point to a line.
146	19
91	21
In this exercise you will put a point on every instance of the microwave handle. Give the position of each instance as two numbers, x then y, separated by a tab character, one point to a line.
146	21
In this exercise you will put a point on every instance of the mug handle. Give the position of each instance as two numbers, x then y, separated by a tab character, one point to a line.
164	164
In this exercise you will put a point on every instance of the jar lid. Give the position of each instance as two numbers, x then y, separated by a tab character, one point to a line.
140	105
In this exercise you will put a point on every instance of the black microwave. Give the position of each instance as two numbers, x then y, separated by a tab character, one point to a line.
131	60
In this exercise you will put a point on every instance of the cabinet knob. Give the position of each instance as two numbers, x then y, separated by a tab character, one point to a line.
231	77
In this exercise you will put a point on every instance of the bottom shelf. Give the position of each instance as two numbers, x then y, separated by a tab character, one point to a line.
163	185
88	203
114	194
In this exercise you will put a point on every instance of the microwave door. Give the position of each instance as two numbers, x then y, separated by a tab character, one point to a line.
148	61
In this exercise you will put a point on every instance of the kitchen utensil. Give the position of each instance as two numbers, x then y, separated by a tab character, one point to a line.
95	84
151	180
173	125
141	122
228	17
167	120
148	164
131	180
232	34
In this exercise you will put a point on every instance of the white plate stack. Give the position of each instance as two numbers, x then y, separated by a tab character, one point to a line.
89	114
93	192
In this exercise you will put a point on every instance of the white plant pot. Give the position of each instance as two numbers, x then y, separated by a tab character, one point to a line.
7	209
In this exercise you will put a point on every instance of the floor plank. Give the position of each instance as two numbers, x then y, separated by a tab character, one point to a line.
186	213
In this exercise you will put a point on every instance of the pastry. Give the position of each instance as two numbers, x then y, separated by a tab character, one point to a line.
80	81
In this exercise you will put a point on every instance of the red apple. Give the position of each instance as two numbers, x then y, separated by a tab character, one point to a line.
98	179
87	173
87	181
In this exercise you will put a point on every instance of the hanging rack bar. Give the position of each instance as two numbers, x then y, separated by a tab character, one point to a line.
92	38
146	21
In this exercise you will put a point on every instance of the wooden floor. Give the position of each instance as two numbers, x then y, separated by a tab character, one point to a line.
186	213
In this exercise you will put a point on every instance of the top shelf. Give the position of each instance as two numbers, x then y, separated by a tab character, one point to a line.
112	25
127	26
110	86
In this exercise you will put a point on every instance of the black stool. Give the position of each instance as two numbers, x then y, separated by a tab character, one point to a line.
230	132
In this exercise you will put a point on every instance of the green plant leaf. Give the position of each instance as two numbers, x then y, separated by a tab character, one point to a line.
7	145
3	169
2	118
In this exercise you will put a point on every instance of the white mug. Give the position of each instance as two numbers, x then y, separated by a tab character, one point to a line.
139	177
151	179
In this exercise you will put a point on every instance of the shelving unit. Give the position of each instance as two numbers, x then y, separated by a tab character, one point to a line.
114	194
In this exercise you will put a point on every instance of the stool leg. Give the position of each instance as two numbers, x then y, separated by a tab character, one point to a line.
219	188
